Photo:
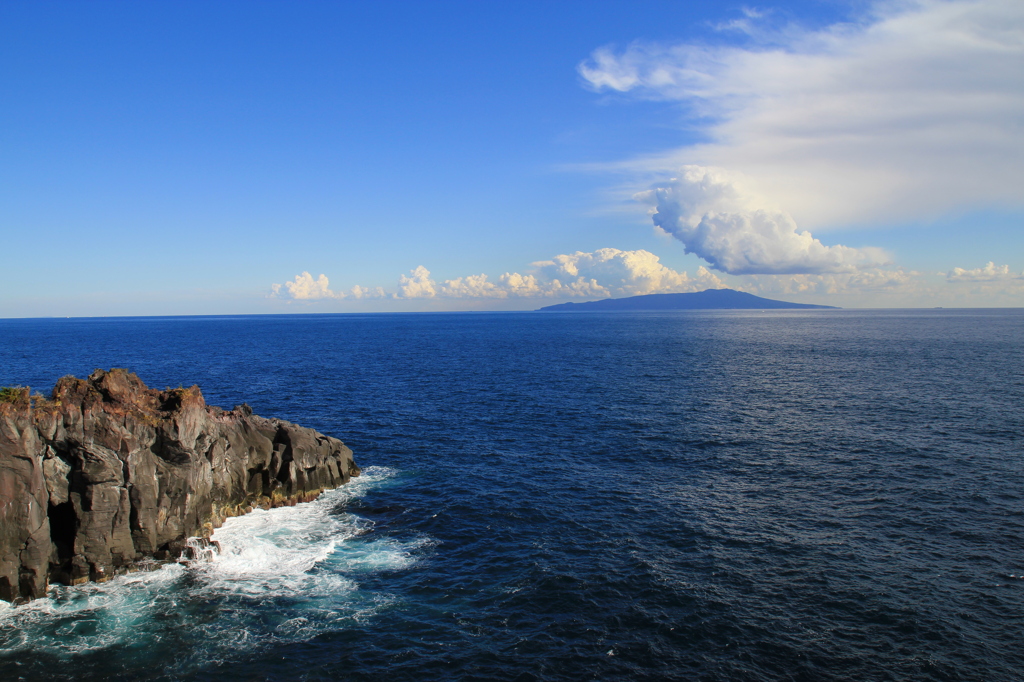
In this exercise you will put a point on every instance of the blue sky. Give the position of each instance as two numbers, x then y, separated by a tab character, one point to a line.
211	158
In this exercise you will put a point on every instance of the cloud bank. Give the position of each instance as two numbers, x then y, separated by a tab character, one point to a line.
909	113
600	274
871	281
717	220
305	288
989	273
615	273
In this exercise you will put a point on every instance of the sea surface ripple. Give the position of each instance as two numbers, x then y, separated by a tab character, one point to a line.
787	495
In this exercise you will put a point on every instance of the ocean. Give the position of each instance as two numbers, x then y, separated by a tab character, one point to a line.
722	495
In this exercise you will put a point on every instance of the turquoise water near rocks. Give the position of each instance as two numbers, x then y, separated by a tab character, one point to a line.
790	495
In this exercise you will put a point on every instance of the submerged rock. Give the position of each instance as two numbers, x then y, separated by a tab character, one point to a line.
107	475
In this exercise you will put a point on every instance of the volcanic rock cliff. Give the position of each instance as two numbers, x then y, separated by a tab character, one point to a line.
108	474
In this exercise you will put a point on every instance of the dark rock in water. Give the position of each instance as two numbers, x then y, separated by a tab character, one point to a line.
107	475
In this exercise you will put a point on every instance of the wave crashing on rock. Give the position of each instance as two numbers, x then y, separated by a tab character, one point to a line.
108	475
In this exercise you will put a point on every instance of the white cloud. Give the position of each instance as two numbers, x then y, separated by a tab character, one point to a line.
996	284
870	281
365	292
614	273
417	285
305	288
736	232
472	286
621	273
525	286
601	274
896	287
989	273
913	111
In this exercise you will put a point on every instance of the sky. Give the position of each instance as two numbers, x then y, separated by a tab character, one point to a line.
196	158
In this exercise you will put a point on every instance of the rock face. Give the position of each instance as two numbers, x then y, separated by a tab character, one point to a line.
108	474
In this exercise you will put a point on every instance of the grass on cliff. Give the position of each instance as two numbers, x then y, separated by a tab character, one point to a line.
19	395
13	394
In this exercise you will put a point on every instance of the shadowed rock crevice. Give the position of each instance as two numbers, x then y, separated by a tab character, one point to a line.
108	475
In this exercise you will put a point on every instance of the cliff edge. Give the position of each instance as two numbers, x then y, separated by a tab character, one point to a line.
108	474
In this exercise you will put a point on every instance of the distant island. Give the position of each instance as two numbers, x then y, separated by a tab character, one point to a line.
710	299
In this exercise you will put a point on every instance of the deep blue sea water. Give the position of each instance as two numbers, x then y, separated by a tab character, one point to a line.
790	495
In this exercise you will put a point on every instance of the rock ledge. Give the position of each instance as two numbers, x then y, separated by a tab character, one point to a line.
107	475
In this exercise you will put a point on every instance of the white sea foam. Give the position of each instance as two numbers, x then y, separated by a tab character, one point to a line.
299	564
87	617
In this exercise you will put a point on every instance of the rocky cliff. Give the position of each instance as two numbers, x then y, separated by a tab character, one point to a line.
108	474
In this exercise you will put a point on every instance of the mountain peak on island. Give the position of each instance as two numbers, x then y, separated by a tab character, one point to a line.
709	299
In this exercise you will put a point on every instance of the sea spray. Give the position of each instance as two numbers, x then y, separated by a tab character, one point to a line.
299	565
199	549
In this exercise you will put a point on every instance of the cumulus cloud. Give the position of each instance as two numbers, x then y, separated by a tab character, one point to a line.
718	220
363	292
600	274
520	285
989	273
305	288
472	286
909	112
621	273
996	283
510	284
416	285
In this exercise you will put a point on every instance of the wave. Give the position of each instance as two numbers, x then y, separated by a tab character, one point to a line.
300	565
